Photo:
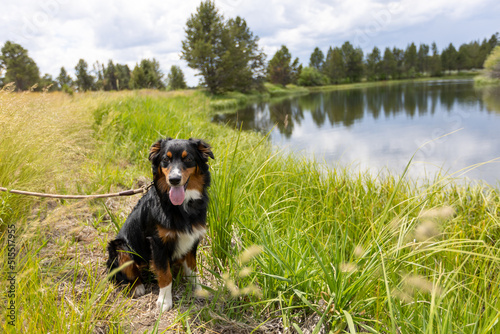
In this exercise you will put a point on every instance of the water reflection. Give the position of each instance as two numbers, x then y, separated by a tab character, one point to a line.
383	126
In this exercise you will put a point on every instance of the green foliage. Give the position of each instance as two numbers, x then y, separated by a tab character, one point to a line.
435	65
353	60
317	59
47	83
84	81
334	67
281	70
64	79
374	65
147	74
423	58
311	76
225	53
243	63
175	78
19	67
492	64
410	60
449	58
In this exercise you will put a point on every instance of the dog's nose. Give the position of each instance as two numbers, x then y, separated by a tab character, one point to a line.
174	179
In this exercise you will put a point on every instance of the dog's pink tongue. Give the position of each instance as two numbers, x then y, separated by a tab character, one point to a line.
177	195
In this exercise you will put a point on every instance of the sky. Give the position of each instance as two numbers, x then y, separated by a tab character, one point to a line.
58	33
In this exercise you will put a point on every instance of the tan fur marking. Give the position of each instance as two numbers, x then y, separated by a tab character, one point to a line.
161	179
184	154
169	154
166	234
205	149
191	261
154	149
131	271
196	181
164	276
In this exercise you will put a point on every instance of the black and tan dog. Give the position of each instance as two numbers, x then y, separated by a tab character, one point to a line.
168	222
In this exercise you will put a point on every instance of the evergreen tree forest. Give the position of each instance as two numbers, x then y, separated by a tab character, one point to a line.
227	56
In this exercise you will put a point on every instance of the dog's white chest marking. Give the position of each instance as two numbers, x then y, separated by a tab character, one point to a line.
185	242
192	194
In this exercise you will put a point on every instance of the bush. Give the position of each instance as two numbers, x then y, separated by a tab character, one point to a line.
492	64
310	76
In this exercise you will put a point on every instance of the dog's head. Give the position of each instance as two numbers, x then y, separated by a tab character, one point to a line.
180	166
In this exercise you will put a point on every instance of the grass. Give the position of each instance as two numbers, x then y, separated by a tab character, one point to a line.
293	245
365	84
484	80
233	100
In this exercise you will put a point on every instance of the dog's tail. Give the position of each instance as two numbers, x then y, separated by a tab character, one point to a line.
119	253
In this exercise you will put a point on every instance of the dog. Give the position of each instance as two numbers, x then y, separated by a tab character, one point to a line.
168	222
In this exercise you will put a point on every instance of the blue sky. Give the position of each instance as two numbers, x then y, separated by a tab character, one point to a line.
60	32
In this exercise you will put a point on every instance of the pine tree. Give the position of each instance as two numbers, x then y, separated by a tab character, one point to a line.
399	57
317	59
243	61
373	65
353	60
147	74
334	67
110	79
48	83
281	69
64	79
423	58
410	60
122	76
389	64
226	53
449	58
175	78
84	80
435	62
19	67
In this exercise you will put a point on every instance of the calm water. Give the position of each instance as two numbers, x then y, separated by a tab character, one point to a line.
380	128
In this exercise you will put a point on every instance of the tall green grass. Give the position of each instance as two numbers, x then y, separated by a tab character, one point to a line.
333	250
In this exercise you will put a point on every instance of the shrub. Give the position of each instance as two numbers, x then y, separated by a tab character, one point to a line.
310	76
492	64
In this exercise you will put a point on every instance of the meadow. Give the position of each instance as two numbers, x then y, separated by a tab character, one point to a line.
293	246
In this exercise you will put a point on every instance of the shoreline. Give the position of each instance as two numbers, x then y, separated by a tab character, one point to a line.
233	100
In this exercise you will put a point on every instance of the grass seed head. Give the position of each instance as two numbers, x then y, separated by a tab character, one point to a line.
250	253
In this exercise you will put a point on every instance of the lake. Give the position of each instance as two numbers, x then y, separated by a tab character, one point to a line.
378	129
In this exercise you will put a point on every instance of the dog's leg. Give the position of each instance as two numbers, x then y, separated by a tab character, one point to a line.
119	254
164	301
190	270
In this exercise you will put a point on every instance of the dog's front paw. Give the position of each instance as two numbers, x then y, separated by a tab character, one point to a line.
164	304
140	290
164	301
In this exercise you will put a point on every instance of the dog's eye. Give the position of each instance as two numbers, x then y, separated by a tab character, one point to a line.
188	159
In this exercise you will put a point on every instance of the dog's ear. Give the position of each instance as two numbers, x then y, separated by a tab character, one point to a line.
154	151
203	148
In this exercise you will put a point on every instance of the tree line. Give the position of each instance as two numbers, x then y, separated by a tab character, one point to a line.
227	57
346	64
18	68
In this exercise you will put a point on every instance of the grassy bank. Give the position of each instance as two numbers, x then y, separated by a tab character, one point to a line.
367	84
483	80
234	100
293	245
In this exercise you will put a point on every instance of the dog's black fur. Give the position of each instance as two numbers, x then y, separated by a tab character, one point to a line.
167	223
